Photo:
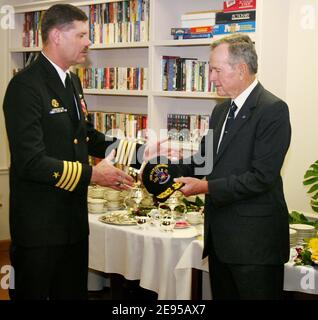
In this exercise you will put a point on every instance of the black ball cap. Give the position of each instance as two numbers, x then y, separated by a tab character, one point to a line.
158	176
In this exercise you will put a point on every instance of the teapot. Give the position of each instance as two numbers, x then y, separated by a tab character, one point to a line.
133	199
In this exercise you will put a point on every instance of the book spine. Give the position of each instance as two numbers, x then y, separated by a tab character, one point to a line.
231	17
193	30
199	15
197	23
235	5
247	26
193	36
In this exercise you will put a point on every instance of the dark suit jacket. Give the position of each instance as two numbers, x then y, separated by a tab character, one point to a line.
49	147
246	217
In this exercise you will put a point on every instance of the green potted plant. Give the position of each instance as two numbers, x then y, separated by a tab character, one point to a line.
311	181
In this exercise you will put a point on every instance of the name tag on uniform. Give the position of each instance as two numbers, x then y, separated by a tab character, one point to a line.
56	107
58	110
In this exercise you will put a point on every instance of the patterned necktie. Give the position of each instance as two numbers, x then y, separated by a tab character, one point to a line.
229	122
230	119
70	95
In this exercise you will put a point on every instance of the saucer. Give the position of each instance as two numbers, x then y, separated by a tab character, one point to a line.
182	225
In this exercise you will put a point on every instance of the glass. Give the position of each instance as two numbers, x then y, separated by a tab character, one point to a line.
154	217
175	205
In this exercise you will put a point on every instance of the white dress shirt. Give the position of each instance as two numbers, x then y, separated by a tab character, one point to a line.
62	75
239	101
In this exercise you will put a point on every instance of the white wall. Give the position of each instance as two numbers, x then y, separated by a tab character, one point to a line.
301	95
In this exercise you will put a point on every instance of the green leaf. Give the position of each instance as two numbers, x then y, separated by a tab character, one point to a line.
187	202
310	181
199	202
314	166
310	173
306	257
296	217
315	209
313	188
315	197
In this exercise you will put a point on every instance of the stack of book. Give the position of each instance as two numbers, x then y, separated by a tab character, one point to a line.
198	19
192	33
194	25
237	16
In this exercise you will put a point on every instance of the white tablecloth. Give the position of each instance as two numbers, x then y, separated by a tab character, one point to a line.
296	278
191	258
301	278
148	255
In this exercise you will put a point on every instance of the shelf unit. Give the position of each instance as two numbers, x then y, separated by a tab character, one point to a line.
163	15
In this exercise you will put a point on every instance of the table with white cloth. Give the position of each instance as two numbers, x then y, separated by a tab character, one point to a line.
191	258
149	255
296	278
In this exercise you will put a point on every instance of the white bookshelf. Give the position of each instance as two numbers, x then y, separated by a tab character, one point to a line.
165	14
105	92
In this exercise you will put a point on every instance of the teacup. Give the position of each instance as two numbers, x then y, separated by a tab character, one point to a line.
167	224
112	195
142	221
96	192
96	205
194	217
114	205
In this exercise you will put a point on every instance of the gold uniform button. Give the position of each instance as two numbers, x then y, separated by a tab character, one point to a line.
75	141
87	139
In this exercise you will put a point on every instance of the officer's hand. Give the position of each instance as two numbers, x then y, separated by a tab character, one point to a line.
106	175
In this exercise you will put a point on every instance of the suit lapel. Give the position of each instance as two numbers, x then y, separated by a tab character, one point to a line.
78	97
54	82
241	119
218	128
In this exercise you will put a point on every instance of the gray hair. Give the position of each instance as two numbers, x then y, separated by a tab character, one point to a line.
240	47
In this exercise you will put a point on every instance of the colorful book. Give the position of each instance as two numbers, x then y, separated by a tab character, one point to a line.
235	5
194	30
228	28
193	36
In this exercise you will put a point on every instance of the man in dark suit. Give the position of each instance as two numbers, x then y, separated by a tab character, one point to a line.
246	234
50	140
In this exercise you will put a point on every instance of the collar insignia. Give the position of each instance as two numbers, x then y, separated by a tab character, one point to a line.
54	103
